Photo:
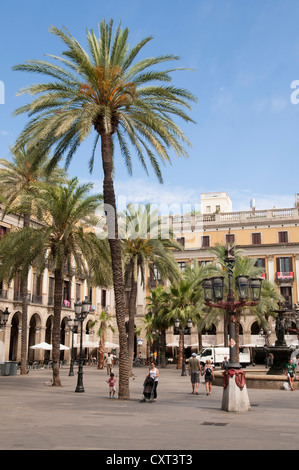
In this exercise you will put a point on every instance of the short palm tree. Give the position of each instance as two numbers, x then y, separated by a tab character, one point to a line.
63	239
157	306
19	181
105	90
195	274
184	303
105	323
150	333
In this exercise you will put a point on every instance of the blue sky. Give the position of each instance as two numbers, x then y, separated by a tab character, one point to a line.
245	55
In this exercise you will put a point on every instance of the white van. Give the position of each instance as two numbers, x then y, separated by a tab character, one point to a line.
216	355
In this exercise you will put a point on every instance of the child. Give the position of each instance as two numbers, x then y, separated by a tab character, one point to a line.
111	383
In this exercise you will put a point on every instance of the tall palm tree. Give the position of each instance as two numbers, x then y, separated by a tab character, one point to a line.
19	181
105	90
144	242
63	239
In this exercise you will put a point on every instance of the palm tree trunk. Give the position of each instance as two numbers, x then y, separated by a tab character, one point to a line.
58	284
24	296
180	351
148	351
163	348
131	328
115	248
101	357
199	338
24	346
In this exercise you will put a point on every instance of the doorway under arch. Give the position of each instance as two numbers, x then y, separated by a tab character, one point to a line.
14	336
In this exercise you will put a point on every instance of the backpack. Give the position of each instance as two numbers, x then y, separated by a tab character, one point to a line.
208	371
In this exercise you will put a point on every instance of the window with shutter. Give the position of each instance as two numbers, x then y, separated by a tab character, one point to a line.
283	237
284	266
287	294
103	297
256	238
230	238
205	241
182	265
260	263
181	241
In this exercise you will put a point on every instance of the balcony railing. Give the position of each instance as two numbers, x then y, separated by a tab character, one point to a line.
37	299
285	275
194	222
64	303
3	294
18	297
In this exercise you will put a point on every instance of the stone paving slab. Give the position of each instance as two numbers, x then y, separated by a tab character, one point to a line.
36	416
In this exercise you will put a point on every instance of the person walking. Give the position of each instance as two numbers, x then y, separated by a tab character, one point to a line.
109	363
154	374
225	363
290	371
194	369
111	381
208	372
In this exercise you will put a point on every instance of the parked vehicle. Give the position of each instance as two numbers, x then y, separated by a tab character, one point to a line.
216	355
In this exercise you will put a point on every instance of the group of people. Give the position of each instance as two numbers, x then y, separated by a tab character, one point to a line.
153	373
195	370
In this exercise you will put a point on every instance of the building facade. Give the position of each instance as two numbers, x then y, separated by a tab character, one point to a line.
270	236
40	309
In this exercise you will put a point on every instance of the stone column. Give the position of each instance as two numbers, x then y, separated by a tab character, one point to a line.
271	271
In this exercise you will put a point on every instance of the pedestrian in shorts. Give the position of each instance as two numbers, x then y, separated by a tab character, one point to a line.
194	369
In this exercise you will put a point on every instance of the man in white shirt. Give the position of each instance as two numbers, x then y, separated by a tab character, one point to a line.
109	363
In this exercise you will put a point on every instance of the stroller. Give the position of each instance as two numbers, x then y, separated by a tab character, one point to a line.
148	390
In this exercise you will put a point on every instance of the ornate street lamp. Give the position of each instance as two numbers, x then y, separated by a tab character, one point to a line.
213	291
255	285
183	330
5	316
218	288
73	326
242	286
81	311
207	290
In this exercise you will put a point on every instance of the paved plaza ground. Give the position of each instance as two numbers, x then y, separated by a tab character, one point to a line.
34	415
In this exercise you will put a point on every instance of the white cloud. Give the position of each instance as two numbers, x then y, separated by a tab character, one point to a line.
241	200
176	199
182	199
3	132
275	105
221	101
278	104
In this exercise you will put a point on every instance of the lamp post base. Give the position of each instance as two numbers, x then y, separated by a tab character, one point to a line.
234	398
80	387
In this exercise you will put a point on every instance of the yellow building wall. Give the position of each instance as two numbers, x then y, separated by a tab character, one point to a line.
243	236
